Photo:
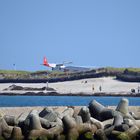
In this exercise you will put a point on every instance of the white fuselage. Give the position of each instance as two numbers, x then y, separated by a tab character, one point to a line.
56	67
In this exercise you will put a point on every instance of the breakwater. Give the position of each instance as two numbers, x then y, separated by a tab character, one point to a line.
94	121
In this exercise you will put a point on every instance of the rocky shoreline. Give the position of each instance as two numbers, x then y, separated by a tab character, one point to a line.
92	122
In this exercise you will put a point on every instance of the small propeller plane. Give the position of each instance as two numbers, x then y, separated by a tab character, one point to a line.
56	67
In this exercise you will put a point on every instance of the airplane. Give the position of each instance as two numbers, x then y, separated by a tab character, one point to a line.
63	68
56	67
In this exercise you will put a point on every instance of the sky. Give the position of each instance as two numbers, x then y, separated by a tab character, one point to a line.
96	33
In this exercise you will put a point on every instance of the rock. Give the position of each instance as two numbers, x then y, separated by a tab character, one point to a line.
14	87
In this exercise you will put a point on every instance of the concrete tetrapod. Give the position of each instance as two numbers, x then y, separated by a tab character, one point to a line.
85	114
67	112
123	106
48	134
11	120
78	119
98	124
17	134
106	114
130	134
74	130
48	114
5	130
118	119
100	135
95	109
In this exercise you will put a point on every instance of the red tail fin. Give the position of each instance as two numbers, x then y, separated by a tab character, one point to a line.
45	62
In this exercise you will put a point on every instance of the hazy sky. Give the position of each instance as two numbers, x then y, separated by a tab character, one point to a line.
86	32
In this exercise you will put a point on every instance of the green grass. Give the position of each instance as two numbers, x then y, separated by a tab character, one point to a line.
134	69
122	69
115	69
13	72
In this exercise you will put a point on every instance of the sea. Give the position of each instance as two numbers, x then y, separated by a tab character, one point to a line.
20	101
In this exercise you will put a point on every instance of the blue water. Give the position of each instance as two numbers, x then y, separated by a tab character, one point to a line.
15	101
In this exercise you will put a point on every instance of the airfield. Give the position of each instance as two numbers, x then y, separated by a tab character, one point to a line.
85	86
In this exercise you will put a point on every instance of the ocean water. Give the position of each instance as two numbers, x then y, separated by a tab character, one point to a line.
18	101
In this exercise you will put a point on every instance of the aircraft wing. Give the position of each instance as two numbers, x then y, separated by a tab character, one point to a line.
62	64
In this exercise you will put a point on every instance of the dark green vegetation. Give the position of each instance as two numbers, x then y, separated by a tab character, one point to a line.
127	74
